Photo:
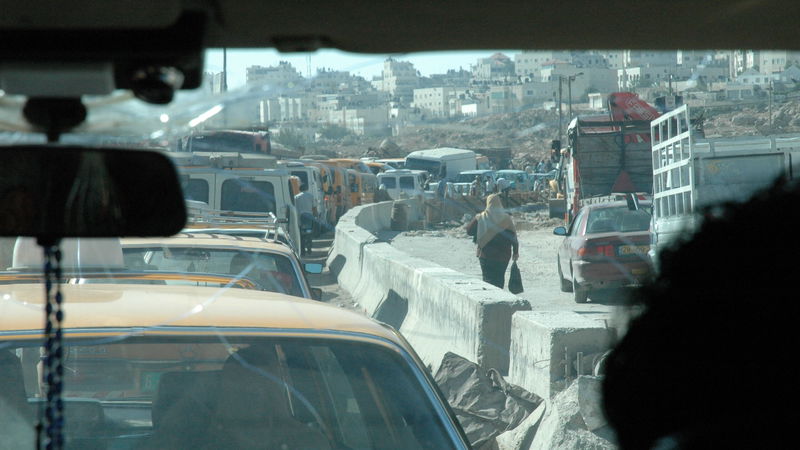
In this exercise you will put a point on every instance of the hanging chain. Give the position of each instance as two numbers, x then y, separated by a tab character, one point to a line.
53	350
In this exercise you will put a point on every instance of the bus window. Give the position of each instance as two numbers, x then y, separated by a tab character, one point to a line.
407	182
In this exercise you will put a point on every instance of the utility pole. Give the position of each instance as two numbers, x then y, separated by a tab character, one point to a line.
559	108
224	69
570	79
770	102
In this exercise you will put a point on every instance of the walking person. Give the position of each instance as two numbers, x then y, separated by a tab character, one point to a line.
494	232
306	211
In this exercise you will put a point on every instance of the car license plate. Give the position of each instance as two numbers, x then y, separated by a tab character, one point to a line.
633	250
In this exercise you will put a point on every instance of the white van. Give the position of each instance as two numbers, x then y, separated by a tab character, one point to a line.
311	176
240	188
442	163
403	180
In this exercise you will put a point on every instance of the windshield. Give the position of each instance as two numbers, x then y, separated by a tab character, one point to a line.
663	135
187	389
423	164
272	272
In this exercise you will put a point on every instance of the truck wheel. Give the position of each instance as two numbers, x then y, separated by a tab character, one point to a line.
579	294
566	285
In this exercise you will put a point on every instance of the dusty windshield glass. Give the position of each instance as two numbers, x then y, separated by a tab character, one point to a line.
550	134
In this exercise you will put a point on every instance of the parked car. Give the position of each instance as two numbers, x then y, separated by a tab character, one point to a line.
272	265
605	246
188	367
519	179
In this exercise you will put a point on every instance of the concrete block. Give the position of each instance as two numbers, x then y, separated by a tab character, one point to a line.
437	309
544	346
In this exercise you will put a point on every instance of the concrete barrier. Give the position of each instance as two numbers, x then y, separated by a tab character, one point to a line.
439	310
545	345
435	308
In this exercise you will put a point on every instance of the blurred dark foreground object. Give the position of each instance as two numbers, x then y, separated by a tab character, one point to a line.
704	365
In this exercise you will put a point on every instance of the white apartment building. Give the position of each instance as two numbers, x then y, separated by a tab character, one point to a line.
363	121
528	63
434	102
399	79
497	67
282	75
643	76
775	61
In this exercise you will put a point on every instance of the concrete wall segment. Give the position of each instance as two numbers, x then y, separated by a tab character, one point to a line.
446	310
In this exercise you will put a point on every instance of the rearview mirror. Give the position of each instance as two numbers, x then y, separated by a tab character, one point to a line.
57	192
560	231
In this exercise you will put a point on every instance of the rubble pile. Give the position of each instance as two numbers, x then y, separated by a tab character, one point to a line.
536	220
572	419
754	121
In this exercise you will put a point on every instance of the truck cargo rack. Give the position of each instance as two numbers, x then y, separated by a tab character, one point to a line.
200	217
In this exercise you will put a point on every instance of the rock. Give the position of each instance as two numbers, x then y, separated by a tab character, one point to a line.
521	437
562	425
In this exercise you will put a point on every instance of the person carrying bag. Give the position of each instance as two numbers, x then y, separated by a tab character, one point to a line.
496	237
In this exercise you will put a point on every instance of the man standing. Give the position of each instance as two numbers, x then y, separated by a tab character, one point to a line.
306	210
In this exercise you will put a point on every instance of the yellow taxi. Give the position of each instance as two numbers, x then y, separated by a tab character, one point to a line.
270	264
186	367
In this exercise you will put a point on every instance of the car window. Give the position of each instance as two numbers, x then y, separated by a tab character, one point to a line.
248	196
302	175
604	220
389	182
195	189
271	271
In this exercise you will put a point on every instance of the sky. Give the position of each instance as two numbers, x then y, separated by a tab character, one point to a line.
365	65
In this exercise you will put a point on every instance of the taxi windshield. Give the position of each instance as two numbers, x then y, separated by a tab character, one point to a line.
493	300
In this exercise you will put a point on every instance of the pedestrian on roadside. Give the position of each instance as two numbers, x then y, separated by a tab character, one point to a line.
494	232
306	210
473	188
504	188
440	189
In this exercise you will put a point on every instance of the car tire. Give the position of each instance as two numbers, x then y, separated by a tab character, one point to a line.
566	285
579	294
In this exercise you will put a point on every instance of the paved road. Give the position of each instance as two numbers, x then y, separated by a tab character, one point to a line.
537	262
331	292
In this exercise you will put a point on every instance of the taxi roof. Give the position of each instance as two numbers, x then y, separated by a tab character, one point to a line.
210	240
142	306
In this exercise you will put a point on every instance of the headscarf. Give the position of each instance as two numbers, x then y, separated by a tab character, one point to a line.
493	220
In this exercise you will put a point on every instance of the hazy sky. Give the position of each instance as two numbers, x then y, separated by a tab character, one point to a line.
366	65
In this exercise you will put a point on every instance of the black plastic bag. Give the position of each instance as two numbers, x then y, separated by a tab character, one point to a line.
515	280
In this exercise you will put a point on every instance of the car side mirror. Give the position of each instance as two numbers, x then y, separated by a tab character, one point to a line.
314	268
316	294
560	231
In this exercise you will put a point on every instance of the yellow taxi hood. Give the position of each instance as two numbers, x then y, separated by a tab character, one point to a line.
123	306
